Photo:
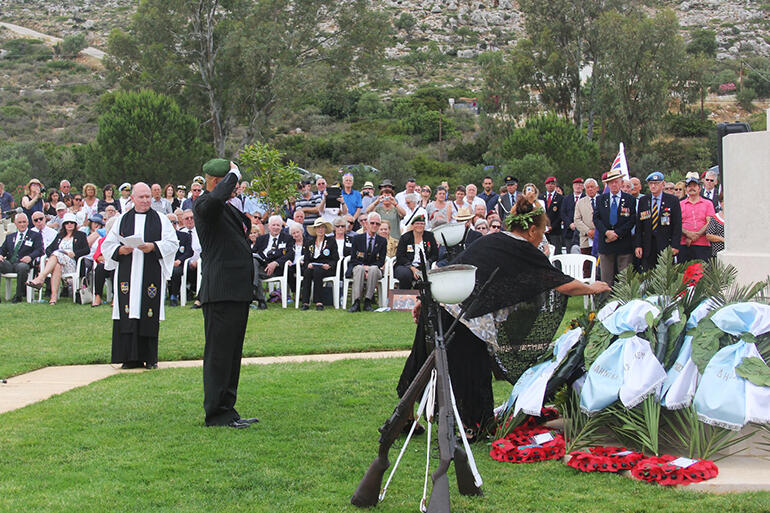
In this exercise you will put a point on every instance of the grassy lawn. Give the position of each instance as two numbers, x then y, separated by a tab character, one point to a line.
39	335
136	442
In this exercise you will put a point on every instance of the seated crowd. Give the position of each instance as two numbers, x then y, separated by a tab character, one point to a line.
58	235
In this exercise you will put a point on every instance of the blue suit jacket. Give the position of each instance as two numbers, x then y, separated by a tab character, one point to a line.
31	247
360	256
626	221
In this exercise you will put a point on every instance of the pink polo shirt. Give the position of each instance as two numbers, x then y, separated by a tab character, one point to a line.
694	218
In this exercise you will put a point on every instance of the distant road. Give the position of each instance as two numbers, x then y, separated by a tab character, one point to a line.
52	40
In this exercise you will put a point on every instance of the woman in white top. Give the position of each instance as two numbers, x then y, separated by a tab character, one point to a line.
90	201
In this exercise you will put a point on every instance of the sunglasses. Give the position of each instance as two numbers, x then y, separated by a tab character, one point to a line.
483	228
78	199
495	226
339	225
374	223
36	219
708	180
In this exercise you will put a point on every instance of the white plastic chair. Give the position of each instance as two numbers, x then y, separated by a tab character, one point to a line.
392	280
382	285
75	277
281	282
183	287
572	266
14	276
334	280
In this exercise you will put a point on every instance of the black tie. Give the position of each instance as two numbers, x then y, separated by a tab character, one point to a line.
593	205
371	245
275	244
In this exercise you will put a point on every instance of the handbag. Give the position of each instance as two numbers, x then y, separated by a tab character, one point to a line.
84	289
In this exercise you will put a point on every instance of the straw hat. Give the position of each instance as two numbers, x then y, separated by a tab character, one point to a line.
612	175
320	222
464	214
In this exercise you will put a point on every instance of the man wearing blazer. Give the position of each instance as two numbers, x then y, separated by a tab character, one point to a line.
225	292
271	252
367	260
614	217
18	252
658	224
568	204
505	202
552	201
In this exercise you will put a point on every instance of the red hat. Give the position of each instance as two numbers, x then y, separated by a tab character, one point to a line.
577	180
550	179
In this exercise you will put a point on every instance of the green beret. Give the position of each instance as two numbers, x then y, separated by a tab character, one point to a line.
216	167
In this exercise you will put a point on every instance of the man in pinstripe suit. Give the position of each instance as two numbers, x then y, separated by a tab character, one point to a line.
226	291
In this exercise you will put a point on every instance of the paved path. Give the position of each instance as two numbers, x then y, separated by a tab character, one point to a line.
41	384
51	40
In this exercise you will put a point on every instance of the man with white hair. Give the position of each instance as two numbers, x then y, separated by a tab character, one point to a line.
270	252
140	247
367	260
584	216
471	198
39	226
710	189
19	251
64	191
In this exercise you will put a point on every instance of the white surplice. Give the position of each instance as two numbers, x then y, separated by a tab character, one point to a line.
167	245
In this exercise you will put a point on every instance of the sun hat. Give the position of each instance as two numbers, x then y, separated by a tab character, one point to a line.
319	222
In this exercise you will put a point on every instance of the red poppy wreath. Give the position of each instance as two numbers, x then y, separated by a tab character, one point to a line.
604	459
526	444
663	470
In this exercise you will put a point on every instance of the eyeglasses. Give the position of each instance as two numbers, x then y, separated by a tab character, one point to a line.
495	226
482	228
374	223
36	219
677	188
78	199
426	190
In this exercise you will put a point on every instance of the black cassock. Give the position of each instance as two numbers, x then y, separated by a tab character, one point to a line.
524	273
135	340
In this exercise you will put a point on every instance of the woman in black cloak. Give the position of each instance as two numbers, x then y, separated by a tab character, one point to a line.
525	272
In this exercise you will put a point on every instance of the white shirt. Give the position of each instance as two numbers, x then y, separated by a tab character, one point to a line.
48	233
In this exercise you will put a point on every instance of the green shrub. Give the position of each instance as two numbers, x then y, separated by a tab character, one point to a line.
27	50
568	150
12	111
680	125
60	65
745	98
71	45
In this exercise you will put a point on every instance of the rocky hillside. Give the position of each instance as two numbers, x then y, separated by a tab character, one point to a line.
462	27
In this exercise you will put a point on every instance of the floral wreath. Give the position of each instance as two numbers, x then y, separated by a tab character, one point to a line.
523	221
517	446
604	459
546	415
658	469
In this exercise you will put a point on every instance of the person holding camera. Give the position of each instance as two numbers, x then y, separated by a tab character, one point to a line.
385	204
32	201
367	196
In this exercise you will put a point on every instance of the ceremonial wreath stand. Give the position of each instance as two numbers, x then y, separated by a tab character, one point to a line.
452	284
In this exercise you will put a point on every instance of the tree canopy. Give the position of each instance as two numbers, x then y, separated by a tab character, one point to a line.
234	62
145	136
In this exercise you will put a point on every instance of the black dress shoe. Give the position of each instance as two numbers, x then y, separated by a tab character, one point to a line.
237	424
195	305
16	299
151	366
355	307
304	306
251	420
262	305
319	307
368	305
132	365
